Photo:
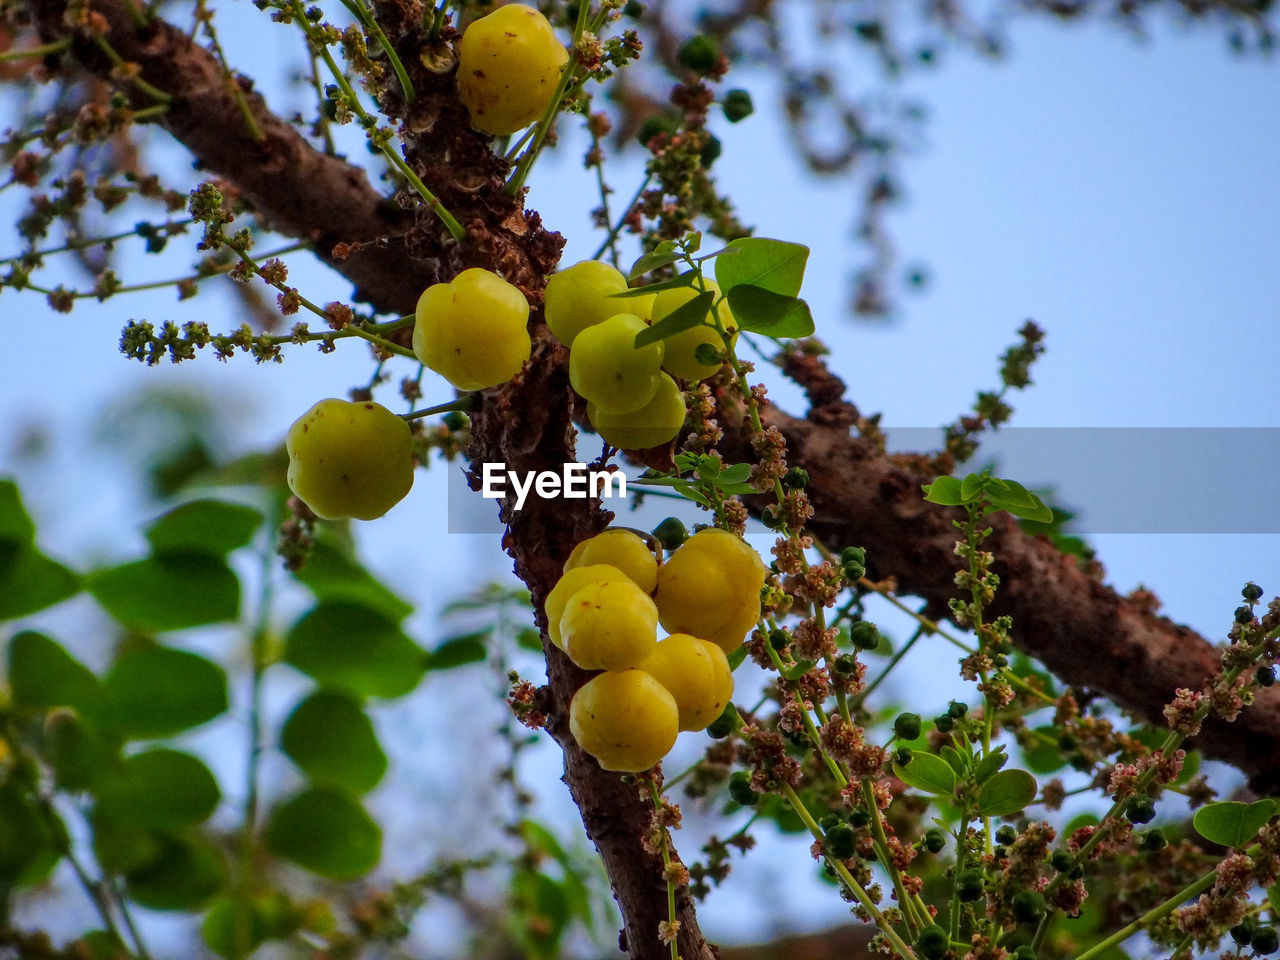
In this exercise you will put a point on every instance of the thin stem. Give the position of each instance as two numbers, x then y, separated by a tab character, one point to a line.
370	23
155	93
466	402
866	691
233	85
46	50
666	873
93	241
437	23
622	220
1151	916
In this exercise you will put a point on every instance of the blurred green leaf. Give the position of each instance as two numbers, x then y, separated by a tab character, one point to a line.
160	788
120	846
773	265
350	647
270	916
27	841
211	527
1008	791
332	574
459	651
77	754
185	875
15	523
1045	756
326	832
168	592
1232	823
540	914
42	675
333	741
157	691
30	581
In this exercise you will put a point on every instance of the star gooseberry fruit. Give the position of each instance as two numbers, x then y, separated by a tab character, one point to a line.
626	719
657	422
473	330
621	549
573	580
609	625
509	65
682	348
349	460
583	295
607	368
695	672
710	588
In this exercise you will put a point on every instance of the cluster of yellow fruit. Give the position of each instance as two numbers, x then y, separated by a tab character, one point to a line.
633	401
604	613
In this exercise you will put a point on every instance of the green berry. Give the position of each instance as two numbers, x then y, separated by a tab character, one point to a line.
906	726
654	125
1265	940
1140	810
797	478
1061	861
456	420
1244	615
944	723
864	635
778	639
1266	676
859	818
956	709
1006	835
853	555
737	105
708	155
724	724
740	789
1243	931
902	756
1252	593
969	885
671	533
1153	840
1028	906
839	842
700	53
706	353
633	9
1025	952
934	839
846	664
933	942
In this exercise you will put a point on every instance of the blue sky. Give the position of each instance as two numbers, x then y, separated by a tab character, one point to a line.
1121	193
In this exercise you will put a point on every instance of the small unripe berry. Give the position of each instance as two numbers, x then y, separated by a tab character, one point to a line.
1251	592
1266	676
737	105
933	942
1006	835
906	726
1028	906
846	664
1244	615
654	125
934	839
1153	840
797	478
859	818
1265	940
1025	952
864	635
633	9
902	756
957	709
1243	930
778	639
944	723
740	789
724	724
709	154
1060	861
969	885
699	53
839	842
706	353
456	420
671	533
853	555
1140	810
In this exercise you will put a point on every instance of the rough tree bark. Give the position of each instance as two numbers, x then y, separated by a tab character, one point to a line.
1082	630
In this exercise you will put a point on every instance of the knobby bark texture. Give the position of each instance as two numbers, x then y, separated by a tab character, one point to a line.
1083	631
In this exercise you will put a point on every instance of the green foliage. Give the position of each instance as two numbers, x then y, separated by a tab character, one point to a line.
927	772
1006	793
209	527
29	581
327	832
158	691
1231	822
168	591
332	741
347	646
331	573
977	490
43	675
183	874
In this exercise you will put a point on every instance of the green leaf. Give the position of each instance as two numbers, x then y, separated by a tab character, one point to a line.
77	754
165	789
945	491
688	315
326	832
529	639
1273	897
120	846
1045	756
270	916
737	473
535	895
1232	823
954	760
42	675
15	522
1020	502
762	311
927	772
971	486
738	657
30	581
26	840
1006	792
797	670
210	527
773	265
332	574
461	650
333	741
990	764
186	875
156	691
677	282
168	592
350	647
653	261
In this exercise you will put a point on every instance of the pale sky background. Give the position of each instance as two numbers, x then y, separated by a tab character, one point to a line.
1122	194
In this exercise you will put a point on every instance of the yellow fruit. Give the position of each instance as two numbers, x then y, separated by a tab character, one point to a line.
606	368
626	720
509	64
349	460
582	296
621	549
681	360
609	625
696	673
710	588
569	584
657	422
473	331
